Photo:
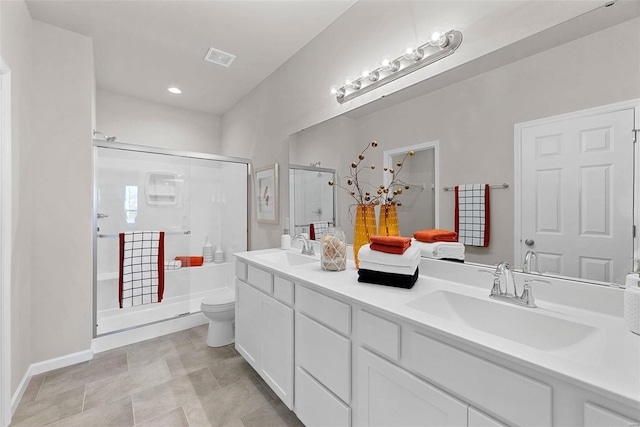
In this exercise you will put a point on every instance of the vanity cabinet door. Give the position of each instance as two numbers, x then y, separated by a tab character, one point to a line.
276	364
595	416
478	419
264	337
390	396
248	313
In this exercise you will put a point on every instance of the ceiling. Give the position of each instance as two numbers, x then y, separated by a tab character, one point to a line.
143	47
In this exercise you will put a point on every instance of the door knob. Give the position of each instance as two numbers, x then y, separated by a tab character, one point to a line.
529	242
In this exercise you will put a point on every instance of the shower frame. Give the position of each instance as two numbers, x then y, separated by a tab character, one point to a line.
97	143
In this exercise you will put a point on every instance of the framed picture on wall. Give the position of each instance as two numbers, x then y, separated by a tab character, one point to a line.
266	194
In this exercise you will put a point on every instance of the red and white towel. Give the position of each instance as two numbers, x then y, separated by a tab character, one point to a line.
316	229
472	214
141	268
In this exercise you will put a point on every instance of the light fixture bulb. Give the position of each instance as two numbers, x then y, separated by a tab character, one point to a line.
389	64
353	83
174	90
369	74
437	36
412	53
337	91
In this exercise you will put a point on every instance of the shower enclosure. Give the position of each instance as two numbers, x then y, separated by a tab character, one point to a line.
191	197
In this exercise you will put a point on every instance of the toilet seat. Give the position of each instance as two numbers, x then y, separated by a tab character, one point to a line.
220	299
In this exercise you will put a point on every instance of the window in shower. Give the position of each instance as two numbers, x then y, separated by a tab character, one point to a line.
131	203
188	197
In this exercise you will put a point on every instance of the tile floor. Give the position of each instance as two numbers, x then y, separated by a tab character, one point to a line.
173	380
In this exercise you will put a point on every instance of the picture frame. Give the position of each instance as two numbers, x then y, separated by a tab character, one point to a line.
266	194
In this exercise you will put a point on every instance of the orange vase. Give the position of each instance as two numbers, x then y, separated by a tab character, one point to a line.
388	221
365	227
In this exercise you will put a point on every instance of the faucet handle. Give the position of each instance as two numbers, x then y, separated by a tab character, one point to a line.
527	294
495	289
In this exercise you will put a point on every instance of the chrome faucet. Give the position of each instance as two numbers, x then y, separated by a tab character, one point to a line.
528	258
525	299
307	245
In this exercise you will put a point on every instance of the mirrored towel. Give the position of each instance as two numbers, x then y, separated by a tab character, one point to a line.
472	214
141	268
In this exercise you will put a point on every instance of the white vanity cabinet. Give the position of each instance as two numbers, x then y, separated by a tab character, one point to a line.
388	395
323	359
264	331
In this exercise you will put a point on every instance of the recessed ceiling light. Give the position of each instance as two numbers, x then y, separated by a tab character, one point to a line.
174	90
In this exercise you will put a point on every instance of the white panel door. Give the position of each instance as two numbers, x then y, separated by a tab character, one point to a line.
390	396
577	195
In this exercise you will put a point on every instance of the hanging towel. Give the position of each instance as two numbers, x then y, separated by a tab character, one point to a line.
441	250
141	268
436	235
472	214
316	229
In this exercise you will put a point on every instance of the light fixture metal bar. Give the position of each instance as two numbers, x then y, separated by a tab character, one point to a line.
455	40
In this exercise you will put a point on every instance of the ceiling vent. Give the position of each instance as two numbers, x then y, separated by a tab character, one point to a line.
219	57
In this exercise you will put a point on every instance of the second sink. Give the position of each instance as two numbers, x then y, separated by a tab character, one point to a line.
523	325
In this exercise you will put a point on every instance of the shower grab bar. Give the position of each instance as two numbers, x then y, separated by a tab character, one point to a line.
166	233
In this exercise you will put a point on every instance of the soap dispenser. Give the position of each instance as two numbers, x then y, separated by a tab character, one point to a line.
632	300
285	239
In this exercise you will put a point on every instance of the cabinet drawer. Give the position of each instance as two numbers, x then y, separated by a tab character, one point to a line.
517	398
379	334
261	279
327	310
315	406
325	354
595	416
283	290
241	270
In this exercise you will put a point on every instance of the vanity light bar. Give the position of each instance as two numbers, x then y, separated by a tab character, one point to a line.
393	69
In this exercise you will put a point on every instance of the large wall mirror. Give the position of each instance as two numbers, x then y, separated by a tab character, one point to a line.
474	122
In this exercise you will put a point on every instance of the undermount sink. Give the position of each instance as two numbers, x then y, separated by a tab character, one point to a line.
287	259
519	324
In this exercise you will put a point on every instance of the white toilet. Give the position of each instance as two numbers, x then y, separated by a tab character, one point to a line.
220	309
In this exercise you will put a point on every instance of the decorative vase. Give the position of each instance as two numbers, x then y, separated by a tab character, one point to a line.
388	221
365	227
334	250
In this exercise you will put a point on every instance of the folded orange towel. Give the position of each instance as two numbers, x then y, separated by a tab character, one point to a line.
190	261
391	240
399	250
436	235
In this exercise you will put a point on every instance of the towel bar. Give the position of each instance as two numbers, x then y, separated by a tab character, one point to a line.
503	185
166	233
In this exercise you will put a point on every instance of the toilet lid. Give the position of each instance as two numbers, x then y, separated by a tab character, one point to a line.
224	296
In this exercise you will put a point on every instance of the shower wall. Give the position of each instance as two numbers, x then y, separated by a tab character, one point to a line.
190	199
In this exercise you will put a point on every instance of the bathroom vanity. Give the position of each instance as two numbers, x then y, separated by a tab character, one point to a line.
342	353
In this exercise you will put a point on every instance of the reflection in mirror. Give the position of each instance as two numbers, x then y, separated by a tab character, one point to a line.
311	200
419	203
473	120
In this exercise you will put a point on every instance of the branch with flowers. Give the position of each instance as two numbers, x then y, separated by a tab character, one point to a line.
357	188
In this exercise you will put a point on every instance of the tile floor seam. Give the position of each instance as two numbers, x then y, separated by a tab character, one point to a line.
133	410
214	378
84	398
39	387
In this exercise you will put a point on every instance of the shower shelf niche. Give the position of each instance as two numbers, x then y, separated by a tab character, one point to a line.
163	188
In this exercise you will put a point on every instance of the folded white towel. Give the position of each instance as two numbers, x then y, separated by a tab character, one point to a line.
440	250
395	269
409	258
172	265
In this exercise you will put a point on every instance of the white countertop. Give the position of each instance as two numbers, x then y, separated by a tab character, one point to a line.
611	367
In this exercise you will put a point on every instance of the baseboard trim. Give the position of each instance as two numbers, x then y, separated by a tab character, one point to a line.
46	366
